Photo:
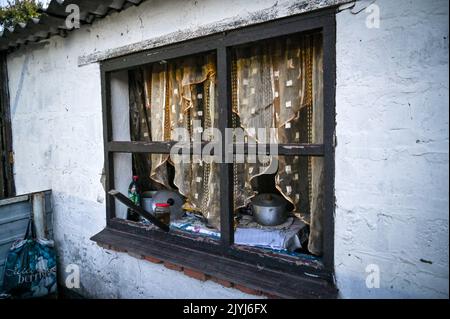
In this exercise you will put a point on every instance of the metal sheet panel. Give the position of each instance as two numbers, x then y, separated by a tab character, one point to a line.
52	19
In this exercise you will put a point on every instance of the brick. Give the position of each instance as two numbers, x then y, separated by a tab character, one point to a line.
104	246
222	282
195	274
138	256
117	249
172	266
109	247
153	259
270	296
247	290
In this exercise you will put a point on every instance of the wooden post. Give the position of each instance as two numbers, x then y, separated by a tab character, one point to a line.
7	187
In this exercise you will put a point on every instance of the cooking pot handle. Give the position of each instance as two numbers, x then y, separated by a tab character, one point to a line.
250	209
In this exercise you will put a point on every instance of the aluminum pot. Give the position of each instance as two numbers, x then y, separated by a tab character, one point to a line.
147	201
269	209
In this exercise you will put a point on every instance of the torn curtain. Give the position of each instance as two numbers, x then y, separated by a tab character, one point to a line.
276	84
177	94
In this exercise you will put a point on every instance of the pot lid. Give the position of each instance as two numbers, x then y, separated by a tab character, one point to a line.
268	200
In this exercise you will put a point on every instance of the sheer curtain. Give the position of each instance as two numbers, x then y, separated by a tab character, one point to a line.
279	84
178	94
275	84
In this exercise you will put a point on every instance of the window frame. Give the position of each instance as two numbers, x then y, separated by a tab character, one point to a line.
296	279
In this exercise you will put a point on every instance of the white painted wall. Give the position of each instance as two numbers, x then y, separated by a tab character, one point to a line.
392	154
391	158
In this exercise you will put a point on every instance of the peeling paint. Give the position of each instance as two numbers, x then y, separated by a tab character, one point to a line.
276	11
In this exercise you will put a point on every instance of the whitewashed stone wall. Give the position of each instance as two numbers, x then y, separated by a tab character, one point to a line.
391	157
392	153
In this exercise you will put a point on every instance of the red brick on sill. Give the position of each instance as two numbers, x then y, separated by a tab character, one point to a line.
223	282
118	250
104	246
270	296
153	260
201	276
195	274
171	266
247	290
137	256
110	247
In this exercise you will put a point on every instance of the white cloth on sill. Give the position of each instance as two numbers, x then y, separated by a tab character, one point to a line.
279	239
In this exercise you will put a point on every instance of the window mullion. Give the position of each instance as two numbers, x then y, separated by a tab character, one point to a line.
290	149
329	82
107	137
154	147
225	169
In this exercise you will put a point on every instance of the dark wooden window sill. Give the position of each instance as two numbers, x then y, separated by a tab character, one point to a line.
218	266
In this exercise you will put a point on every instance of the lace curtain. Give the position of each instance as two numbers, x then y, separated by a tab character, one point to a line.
177	94
278	84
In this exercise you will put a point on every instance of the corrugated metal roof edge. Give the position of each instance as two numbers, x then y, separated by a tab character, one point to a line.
52	20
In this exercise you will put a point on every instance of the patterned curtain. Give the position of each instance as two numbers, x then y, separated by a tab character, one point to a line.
177	94
276	84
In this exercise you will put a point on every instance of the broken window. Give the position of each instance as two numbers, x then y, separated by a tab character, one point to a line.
276	98
164	98
273	86
277	84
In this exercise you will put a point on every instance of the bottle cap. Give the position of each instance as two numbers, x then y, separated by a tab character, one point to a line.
162	205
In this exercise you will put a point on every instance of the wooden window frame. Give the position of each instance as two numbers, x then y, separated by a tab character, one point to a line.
222	258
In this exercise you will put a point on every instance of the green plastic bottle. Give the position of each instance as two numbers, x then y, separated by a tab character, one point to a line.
134	194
